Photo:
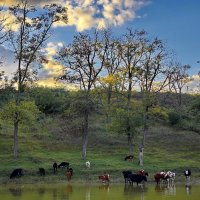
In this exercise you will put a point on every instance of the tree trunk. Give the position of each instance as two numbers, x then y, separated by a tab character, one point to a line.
130	144
85	136
15	142
109	94
145	131
141	155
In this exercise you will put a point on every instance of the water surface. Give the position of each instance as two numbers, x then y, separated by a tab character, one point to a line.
99	192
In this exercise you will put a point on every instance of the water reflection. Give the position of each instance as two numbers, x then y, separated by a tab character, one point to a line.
104	187
99	192
16	192
166	189
188	186
188	189
135	191
41	191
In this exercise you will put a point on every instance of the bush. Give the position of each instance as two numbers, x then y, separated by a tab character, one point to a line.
174	118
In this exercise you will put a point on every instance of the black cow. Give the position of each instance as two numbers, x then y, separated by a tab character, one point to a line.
136	178
63	164
55	167
187	174
129	158
126	174
41	171
16	173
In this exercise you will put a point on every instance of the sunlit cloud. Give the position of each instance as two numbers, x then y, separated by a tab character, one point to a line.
194	85
50	82
52	68
53	83
9	21
86	14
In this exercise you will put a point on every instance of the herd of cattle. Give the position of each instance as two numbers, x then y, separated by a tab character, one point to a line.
129	177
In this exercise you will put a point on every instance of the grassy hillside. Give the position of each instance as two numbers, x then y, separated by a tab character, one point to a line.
166	149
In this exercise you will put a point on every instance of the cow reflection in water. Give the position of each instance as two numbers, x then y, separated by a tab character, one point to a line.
188	189
166	189
41	191
131	191
63	194
16	192
104	187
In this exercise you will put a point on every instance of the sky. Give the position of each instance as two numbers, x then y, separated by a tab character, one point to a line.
176	22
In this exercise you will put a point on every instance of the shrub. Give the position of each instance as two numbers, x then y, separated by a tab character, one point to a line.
174	118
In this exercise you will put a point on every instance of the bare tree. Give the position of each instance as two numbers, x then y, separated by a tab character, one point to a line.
84	60
26	43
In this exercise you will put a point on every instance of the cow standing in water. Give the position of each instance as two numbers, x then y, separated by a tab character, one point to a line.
126	174
187	174
105	178
69	174
136	178
169	177
142	173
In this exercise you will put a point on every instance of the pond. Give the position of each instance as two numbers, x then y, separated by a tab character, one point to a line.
99	192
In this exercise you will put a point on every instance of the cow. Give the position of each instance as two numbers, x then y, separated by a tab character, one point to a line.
170	177
136	178
187	173
63	164
129	158
142	173
104	178
87	164
55	167
166	176
126	174
16	173
41	172
69	174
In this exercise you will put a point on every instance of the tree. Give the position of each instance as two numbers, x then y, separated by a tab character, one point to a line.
153	75
178	78
27	113
120	118
112	60
131	50
84	60
26	43
49	100
3	33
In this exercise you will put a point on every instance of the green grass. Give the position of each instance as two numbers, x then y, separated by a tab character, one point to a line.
165	149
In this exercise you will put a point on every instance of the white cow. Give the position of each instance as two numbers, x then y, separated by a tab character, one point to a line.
87	164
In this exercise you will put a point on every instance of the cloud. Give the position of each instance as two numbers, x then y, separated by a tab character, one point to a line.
30	2
8	20
52	83
7	58
85	14
194	85
52	68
